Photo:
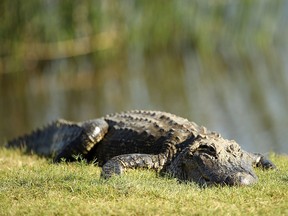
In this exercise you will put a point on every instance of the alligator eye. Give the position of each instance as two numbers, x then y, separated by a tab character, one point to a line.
208	149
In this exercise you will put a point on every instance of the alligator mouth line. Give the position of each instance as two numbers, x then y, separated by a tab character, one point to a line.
205	181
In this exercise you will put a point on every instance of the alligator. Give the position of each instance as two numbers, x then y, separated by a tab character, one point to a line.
171	145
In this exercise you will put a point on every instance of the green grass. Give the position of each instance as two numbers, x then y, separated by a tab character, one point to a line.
30	185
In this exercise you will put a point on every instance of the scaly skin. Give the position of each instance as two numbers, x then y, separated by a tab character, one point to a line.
154	140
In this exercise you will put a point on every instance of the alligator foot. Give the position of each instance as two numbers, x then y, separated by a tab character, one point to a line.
263	162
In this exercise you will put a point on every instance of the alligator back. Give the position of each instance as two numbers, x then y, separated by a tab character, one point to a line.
148	132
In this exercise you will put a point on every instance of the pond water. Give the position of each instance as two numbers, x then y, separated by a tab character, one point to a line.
224	67
242	106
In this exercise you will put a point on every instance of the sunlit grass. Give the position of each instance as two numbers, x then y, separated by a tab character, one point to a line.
34	186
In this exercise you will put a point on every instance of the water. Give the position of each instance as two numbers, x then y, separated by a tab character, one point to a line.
231	76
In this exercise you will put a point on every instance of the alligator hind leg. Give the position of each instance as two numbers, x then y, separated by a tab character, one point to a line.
90	133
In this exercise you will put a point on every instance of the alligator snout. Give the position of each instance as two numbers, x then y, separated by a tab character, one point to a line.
241	179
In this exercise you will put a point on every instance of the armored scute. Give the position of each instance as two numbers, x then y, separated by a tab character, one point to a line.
154	140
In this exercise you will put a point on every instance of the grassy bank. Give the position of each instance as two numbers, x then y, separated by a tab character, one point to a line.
33	186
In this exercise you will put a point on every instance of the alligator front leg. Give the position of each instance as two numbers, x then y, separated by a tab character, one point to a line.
119	164
259	160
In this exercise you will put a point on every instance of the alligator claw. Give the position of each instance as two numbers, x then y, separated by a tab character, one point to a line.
265	163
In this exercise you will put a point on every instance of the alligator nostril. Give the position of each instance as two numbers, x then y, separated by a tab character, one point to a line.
247	180
241	179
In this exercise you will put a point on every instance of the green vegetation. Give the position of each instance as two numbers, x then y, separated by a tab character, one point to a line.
222	33
30	185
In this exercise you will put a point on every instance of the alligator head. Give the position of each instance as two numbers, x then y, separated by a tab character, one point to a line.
213	160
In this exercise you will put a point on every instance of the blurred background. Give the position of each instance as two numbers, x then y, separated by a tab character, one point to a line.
222	64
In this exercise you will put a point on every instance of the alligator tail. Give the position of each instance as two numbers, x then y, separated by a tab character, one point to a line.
48	140
62	139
